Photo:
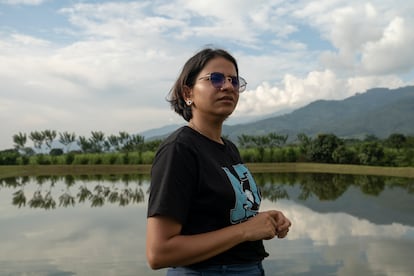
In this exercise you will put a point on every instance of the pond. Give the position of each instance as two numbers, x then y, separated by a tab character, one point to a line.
95	225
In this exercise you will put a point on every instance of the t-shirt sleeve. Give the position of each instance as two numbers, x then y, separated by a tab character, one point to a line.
174	177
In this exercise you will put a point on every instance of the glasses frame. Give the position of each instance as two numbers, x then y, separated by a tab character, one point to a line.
237	82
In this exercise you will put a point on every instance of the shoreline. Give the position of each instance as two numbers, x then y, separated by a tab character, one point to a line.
36	170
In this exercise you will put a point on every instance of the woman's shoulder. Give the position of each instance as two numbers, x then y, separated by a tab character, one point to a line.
182	136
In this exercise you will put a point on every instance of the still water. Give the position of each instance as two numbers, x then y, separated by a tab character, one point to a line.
95	225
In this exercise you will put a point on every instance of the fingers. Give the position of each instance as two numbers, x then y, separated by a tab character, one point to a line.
282	234
267	225
282	223
261	226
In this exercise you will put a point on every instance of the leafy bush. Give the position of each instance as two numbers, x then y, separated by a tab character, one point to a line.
148	157
69	158
56	152
9	157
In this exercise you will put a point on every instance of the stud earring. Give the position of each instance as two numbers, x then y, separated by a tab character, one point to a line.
189	102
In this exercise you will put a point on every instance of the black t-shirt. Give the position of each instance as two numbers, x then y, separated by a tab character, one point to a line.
204	186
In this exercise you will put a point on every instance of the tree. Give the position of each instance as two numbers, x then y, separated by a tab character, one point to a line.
370	153
276	140
49	137
97	141
304	144
396	140
343	155
38	138
323	147
20	140
66	139
245	141
135	142
112	143
261	142
123	139
152	145
84	144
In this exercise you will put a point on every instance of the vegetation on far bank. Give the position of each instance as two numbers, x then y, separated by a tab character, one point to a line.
124	149
63	170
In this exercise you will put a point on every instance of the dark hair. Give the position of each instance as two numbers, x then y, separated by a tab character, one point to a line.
188	76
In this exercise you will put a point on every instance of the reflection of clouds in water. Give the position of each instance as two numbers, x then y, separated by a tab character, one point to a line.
391	257
338	244
328	228
110	239
84	240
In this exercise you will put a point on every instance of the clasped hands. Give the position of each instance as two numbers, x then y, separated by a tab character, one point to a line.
267	225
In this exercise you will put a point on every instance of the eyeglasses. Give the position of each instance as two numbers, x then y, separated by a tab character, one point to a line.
219	79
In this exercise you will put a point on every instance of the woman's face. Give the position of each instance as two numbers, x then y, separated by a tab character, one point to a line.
210	102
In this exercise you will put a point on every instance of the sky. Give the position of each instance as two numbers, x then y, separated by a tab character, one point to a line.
82	66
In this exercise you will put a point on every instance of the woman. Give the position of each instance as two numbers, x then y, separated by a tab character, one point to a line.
203	210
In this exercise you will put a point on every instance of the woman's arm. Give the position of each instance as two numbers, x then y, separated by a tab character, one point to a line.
167	247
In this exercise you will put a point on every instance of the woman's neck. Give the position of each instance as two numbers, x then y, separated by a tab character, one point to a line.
211	131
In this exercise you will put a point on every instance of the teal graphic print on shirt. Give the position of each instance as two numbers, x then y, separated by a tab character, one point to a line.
247	194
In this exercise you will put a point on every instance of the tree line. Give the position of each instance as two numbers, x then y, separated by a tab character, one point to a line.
51	147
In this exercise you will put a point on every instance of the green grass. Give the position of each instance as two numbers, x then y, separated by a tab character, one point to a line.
332	168
35	170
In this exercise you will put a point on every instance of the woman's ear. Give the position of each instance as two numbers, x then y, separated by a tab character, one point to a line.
187	93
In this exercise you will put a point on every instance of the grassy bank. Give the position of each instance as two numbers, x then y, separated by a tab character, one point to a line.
332	168
35	170
10	171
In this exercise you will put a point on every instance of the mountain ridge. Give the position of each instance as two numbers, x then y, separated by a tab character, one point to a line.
378	111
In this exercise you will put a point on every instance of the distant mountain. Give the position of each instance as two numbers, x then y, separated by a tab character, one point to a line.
159	132
378	111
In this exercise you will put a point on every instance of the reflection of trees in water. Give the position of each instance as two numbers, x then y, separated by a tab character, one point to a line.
126	189
109	189
326	186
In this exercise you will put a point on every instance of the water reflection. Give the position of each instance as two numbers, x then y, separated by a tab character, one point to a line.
96	189
342	225
273	187
327	186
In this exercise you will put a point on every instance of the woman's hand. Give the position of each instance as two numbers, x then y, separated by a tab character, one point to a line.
266	225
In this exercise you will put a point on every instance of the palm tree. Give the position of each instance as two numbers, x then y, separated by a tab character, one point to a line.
49	136
97	141
245	141
66	139
123	139
112	143
135	142
84	144
37	137
20	140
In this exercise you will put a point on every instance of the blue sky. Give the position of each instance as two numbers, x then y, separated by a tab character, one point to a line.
82	66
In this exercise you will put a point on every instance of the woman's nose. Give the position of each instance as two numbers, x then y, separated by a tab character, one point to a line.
227	84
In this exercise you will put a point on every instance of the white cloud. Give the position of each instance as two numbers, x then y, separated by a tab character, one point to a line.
368	38
393	51
23	2
125	55
294	93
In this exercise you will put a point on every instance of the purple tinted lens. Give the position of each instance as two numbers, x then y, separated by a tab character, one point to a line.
218	80
235	82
